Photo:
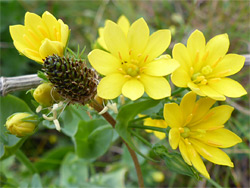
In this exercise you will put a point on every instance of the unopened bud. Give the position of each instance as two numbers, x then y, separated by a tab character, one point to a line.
45	95
158	176
21	124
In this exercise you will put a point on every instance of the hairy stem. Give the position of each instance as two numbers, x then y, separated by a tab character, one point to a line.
111	120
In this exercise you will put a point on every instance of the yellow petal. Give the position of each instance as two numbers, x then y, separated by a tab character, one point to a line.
133	89
49	47
155	123
212	154
196	43
104	62
229	65
215	117
52	25
100	40
64	32
217	47
173	115
228	87
161	67
195	88
138	35
188	103
174	137
181	54
124	24
20	34
201	108
221	138
31	54
110	86
115	41
180	77
36	24
184	152
155	87
158	42
197	161
210	92
160	135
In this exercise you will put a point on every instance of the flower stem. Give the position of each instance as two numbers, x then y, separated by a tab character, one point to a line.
23	159
111	120
149	127
177	91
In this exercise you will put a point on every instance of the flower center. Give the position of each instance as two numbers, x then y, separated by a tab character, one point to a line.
184	132
132	69
201	77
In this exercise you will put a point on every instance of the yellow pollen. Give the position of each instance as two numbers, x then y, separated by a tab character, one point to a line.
139	55
130	52
132	69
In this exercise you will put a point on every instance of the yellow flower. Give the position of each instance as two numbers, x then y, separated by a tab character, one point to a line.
198	130
18	124
40	37
204	67
131	66
156	123
122	22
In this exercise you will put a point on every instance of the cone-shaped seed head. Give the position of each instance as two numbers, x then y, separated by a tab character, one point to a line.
72	78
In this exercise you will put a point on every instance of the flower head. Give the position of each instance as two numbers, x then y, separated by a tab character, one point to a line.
131	66
198	130
40	37
21	124
204	67
156	123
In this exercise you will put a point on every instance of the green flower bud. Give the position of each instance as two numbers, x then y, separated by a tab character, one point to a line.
158	176
45	95
21	124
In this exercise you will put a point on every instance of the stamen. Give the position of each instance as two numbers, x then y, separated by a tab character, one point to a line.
204	82
103	111
139	55
29	41
39	108
216	63
187	141
196	59
181	130
57	124
145	58
214	79
43	32
138	77
127	76
130	51
120	56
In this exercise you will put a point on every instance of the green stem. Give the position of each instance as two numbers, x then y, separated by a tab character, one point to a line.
148	127
141	139
214	183
178	91
23	159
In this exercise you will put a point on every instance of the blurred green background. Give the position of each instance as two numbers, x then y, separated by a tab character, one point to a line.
182	17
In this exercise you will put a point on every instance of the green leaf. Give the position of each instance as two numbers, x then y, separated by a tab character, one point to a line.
111	179
71	117
52	159
36	181
92	138
126	114
175	162
74	171
10	143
